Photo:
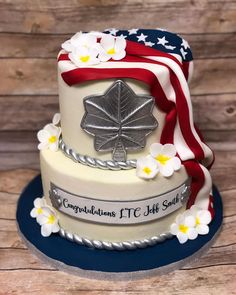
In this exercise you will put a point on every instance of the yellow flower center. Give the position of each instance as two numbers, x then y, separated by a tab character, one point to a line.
39	210
52	139
197	221
85	58
111	51
51	219
183	228
147	170
162	159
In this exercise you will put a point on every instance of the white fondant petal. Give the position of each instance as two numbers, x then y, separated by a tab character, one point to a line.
103	56
92	52
169	150
93	61
46	230
55	228
74	58
155	149
46	211
141	162
182	237
98	47
107	42
192	234
33	213
43	135
119	55
202	229
38	202
67	46
174	229
180	219
204	216
90	40
166	170
187	213
194	209
43	146
190	221
176	163
56	118
42	219
120	43
82	51
76	36
52	129
54	147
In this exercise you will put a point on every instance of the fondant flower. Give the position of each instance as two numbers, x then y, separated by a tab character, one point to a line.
48	221
191	223
112	47
39	203
83	56
56	119
184	228
202	219
49	137
80	40
146	167
165	157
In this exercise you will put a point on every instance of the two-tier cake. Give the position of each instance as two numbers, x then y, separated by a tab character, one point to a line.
123	165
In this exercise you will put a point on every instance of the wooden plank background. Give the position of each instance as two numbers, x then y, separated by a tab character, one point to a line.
30	36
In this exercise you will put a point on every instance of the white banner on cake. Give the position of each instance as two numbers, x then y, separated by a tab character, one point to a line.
119	212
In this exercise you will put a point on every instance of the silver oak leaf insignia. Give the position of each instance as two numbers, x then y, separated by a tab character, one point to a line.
119	119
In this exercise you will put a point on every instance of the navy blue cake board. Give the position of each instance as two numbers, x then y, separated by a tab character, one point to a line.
109	264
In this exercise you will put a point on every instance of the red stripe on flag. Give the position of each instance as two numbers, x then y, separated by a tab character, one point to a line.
198	179
81	75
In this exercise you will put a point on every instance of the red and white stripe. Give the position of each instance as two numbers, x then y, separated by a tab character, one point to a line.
167	78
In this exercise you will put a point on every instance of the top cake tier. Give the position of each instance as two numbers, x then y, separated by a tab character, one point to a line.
115	89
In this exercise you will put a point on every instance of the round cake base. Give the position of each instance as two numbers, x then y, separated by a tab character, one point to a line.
105	264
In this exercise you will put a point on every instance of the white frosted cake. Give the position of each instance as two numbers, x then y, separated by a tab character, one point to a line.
123	165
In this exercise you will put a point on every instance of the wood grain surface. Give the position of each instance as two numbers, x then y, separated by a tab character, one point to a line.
30	36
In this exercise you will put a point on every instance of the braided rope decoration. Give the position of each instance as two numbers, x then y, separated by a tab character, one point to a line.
95	163
120	246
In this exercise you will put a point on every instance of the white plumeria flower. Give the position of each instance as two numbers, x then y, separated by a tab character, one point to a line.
146	167
202	219
84	56
112	47
39	203
49	137
80	40
56	119
165	157
49	222
184	228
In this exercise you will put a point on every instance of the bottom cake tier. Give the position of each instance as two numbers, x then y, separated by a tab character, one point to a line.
111	206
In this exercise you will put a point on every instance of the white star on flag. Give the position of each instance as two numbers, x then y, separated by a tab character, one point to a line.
184	53
149	44
122	35
142	37
170	47
162	41
185	44
133	31
113	31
